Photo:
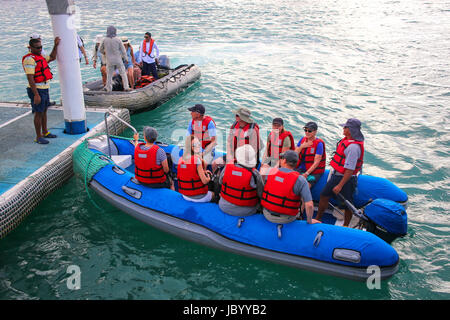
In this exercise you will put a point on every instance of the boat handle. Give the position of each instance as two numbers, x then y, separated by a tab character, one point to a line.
111	113
279	227
132	192
240	222
317	238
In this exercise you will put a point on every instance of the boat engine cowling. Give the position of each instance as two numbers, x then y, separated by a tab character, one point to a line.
387	219
164	62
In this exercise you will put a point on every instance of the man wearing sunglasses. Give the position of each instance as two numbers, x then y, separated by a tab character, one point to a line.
347	161
39	75
148	55
312	156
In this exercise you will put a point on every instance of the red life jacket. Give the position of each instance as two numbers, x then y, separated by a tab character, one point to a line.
189	182
274	143
146	169
202	133
144	47
143	81
42	71
278	195
307	156
236	187
241	136
338	160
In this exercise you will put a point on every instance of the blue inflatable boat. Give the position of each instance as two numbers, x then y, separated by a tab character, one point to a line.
325	248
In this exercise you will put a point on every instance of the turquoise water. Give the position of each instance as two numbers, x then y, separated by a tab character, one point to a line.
384	62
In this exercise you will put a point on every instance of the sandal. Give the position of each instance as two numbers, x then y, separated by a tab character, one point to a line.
41	141
49	135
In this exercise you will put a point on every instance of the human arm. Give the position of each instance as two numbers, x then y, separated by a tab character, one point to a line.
37	97
304	145
133	60
202	173
83	51
54	50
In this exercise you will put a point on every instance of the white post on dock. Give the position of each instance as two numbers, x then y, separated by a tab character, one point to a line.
61	12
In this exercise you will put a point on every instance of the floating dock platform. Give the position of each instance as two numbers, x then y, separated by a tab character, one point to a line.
29	172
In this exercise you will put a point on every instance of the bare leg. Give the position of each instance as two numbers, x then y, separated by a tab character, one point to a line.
44	123
38	124
323	205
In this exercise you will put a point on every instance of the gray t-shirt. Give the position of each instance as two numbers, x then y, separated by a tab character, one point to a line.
160	154
301	188
235	210
352	154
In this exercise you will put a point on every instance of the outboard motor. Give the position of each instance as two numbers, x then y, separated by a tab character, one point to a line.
386	219
164	62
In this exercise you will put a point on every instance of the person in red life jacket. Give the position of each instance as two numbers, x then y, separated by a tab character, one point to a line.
204	129
312	155
193	178
244	130
346	163
150	161
278	141
38	75
148	55
284	191
242	184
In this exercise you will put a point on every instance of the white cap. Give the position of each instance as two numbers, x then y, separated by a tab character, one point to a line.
98	38
35	36
246	156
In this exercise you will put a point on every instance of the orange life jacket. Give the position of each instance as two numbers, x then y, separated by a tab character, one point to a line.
144	47
143	81
338	160
202	133
274	143
146	169
189	182
236	187
42	71
278	195
307	156
241	136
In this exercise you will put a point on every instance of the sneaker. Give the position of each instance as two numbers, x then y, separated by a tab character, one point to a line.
49	135
41	141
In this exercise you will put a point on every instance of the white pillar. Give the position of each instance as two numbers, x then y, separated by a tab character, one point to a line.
61	12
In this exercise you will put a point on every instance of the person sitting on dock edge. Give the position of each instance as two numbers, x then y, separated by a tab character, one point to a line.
346	163
151	164
38	75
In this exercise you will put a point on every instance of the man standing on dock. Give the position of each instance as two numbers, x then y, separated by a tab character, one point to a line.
38	74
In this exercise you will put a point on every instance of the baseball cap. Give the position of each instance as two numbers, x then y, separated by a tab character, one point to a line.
311	125
197	108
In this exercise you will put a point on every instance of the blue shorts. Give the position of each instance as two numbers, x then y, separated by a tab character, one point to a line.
45	100
347	190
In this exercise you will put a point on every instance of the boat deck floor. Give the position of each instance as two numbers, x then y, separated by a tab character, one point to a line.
19	154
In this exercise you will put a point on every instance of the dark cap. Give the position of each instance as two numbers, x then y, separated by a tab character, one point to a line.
290	156
278	121
197	108
354	125
148	34
311	125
